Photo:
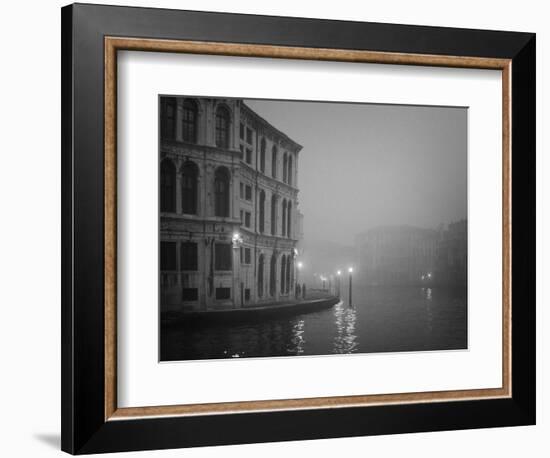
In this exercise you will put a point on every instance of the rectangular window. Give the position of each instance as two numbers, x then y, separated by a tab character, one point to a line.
168	256
241	190
248	192
223	293
247	256
247	294
248	157
241	131
190	294
222	256
242	217
189	258
249	136
247	219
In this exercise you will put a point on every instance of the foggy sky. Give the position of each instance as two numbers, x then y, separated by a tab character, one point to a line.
363	165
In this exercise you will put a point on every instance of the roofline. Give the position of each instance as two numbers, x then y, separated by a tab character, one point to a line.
296	145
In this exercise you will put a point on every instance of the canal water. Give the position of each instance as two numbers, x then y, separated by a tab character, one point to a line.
381	319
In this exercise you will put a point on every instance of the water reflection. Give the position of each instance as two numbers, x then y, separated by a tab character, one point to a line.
345	340
297	341
381	320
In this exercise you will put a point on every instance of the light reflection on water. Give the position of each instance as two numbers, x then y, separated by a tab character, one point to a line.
381	320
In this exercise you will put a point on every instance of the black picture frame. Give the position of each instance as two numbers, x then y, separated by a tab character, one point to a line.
84	428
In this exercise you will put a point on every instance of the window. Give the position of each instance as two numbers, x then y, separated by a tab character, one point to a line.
188	256
272	275
168	118
189	188
247	294
285	163
223	293
261	216
167	186
221	191
241	131
190	294
246	256
274	162
248	156
222	127
288	270
283	273
222	256
283	226
273	214
249	136
248	192
288	224
261	275
242	217
262	156
189	121
289	176
168	256
247	218
241	190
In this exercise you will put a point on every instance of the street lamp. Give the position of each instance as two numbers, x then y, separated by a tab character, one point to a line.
237	239
350	270
339	274
299	266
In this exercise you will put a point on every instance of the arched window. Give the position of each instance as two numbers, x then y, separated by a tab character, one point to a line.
261	275
288	218
288	270
274	162
262	156
189	186
189	121
283	273
168	108
272	275
285	161
167	186
261	222
273	214
283	226
222	127
221	192
289	176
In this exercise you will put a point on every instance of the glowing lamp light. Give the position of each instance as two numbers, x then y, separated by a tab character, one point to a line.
237	239
350	270
300	265
339	272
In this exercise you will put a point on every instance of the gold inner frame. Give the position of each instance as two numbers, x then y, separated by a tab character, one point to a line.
114	44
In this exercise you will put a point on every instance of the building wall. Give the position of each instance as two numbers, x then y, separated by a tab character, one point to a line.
397	255
242	158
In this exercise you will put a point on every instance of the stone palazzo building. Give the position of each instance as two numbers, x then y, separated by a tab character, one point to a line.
229	218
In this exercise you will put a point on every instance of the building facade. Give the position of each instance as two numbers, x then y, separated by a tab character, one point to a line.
452	255
397	255
228	206
407	255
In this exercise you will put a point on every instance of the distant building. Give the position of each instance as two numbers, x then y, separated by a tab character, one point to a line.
407	255
229	219
452	255
396	255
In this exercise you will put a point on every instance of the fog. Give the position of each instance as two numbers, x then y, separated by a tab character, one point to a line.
366	165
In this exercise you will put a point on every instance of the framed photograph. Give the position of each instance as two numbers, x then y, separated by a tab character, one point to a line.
283	228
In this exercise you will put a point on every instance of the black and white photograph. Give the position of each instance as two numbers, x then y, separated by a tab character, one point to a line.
302	228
